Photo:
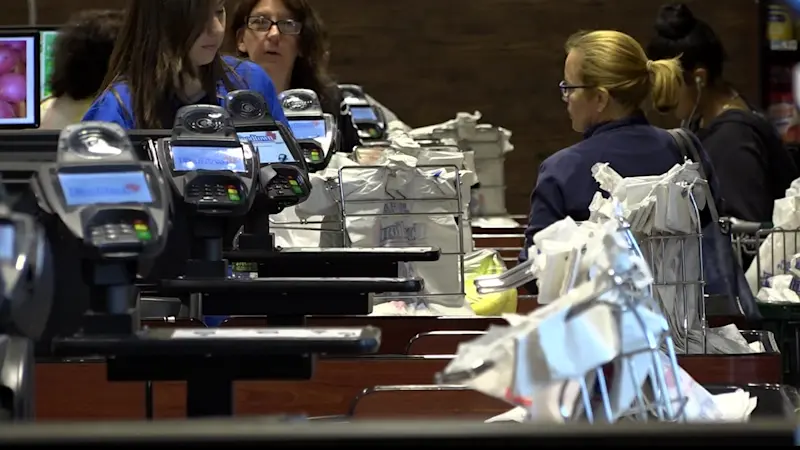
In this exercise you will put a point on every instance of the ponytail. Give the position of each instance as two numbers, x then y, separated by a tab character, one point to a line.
666	80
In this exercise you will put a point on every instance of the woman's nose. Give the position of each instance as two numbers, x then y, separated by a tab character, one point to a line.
273	32
216	26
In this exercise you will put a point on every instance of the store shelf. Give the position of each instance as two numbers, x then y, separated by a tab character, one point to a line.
783	46
781	52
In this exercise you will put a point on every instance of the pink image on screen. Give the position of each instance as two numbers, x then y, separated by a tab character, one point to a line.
13	79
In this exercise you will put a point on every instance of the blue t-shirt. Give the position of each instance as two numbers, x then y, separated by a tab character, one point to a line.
108	108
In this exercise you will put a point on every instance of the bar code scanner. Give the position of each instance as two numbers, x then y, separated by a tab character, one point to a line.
316	132
283	174
369	120
103	211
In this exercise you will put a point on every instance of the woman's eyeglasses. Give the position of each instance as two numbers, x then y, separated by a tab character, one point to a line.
566	88
286	26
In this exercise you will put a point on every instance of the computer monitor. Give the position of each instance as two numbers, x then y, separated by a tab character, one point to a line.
19	79
47	39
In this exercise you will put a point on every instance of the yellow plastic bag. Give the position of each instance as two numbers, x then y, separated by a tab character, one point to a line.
487	262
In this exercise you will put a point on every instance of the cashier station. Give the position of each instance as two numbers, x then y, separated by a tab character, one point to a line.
289	186
105	204
110	214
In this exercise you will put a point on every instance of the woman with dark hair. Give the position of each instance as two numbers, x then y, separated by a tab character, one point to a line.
166	57
751	163
288	39
80	59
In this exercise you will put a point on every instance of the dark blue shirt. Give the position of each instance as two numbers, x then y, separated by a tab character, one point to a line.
565	185
114	105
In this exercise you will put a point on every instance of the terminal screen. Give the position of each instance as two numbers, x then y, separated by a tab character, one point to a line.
7	242
307	129
270	145
19	82
108	188
191	158
363	113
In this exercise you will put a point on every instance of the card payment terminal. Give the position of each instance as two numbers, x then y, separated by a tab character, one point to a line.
283	174
107	199
205	163
368	119
315	131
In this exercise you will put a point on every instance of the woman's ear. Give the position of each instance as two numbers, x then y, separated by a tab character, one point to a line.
700	77
603	99
240	42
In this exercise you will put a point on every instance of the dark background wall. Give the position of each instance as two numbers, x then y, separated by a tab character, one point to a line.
428	59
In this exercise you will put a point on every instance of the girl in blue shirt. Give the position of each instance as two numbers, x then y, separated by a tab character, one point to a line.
167	56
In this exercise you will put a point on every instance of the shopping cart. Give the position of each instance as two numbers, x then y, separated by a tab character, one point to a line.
768	251
625	287
398	220
676	263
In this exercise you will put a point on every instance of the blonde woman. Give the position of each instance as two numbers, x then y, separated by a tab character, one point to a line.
607	80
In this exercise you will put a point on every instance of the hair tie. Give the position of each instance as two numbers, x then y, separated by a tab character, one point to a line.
649	65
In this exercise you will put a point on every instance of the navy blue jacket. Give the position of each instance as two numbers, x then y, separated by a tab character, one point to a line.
632	147
565	186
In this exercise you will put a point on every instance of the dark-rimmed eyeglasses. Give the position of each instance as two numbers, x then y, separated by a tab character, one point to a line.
566	88
285	26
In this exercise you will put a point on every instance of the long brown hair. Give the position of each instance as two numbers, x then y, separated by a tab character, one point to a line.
151	54
310	69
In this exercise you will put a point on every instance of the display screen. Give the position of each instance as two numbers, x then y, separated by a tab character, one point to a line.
363	113
47	41
270	145
18	83
7	242
190	158
109	188
307	129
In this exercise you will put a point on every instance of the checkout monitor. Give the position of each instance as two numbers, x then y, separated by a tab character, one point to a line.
19	79
363	113
270	145
112	188
308	128
188	158
44	52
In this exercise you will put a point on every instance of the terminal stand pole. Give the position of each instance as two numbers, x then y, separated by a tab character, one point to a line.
209	390
256	234
112	298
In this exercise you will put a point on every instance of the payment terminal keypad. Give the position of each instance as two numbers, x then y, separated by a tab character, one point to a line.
214	193
312	154
368	131
286	186
118	233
